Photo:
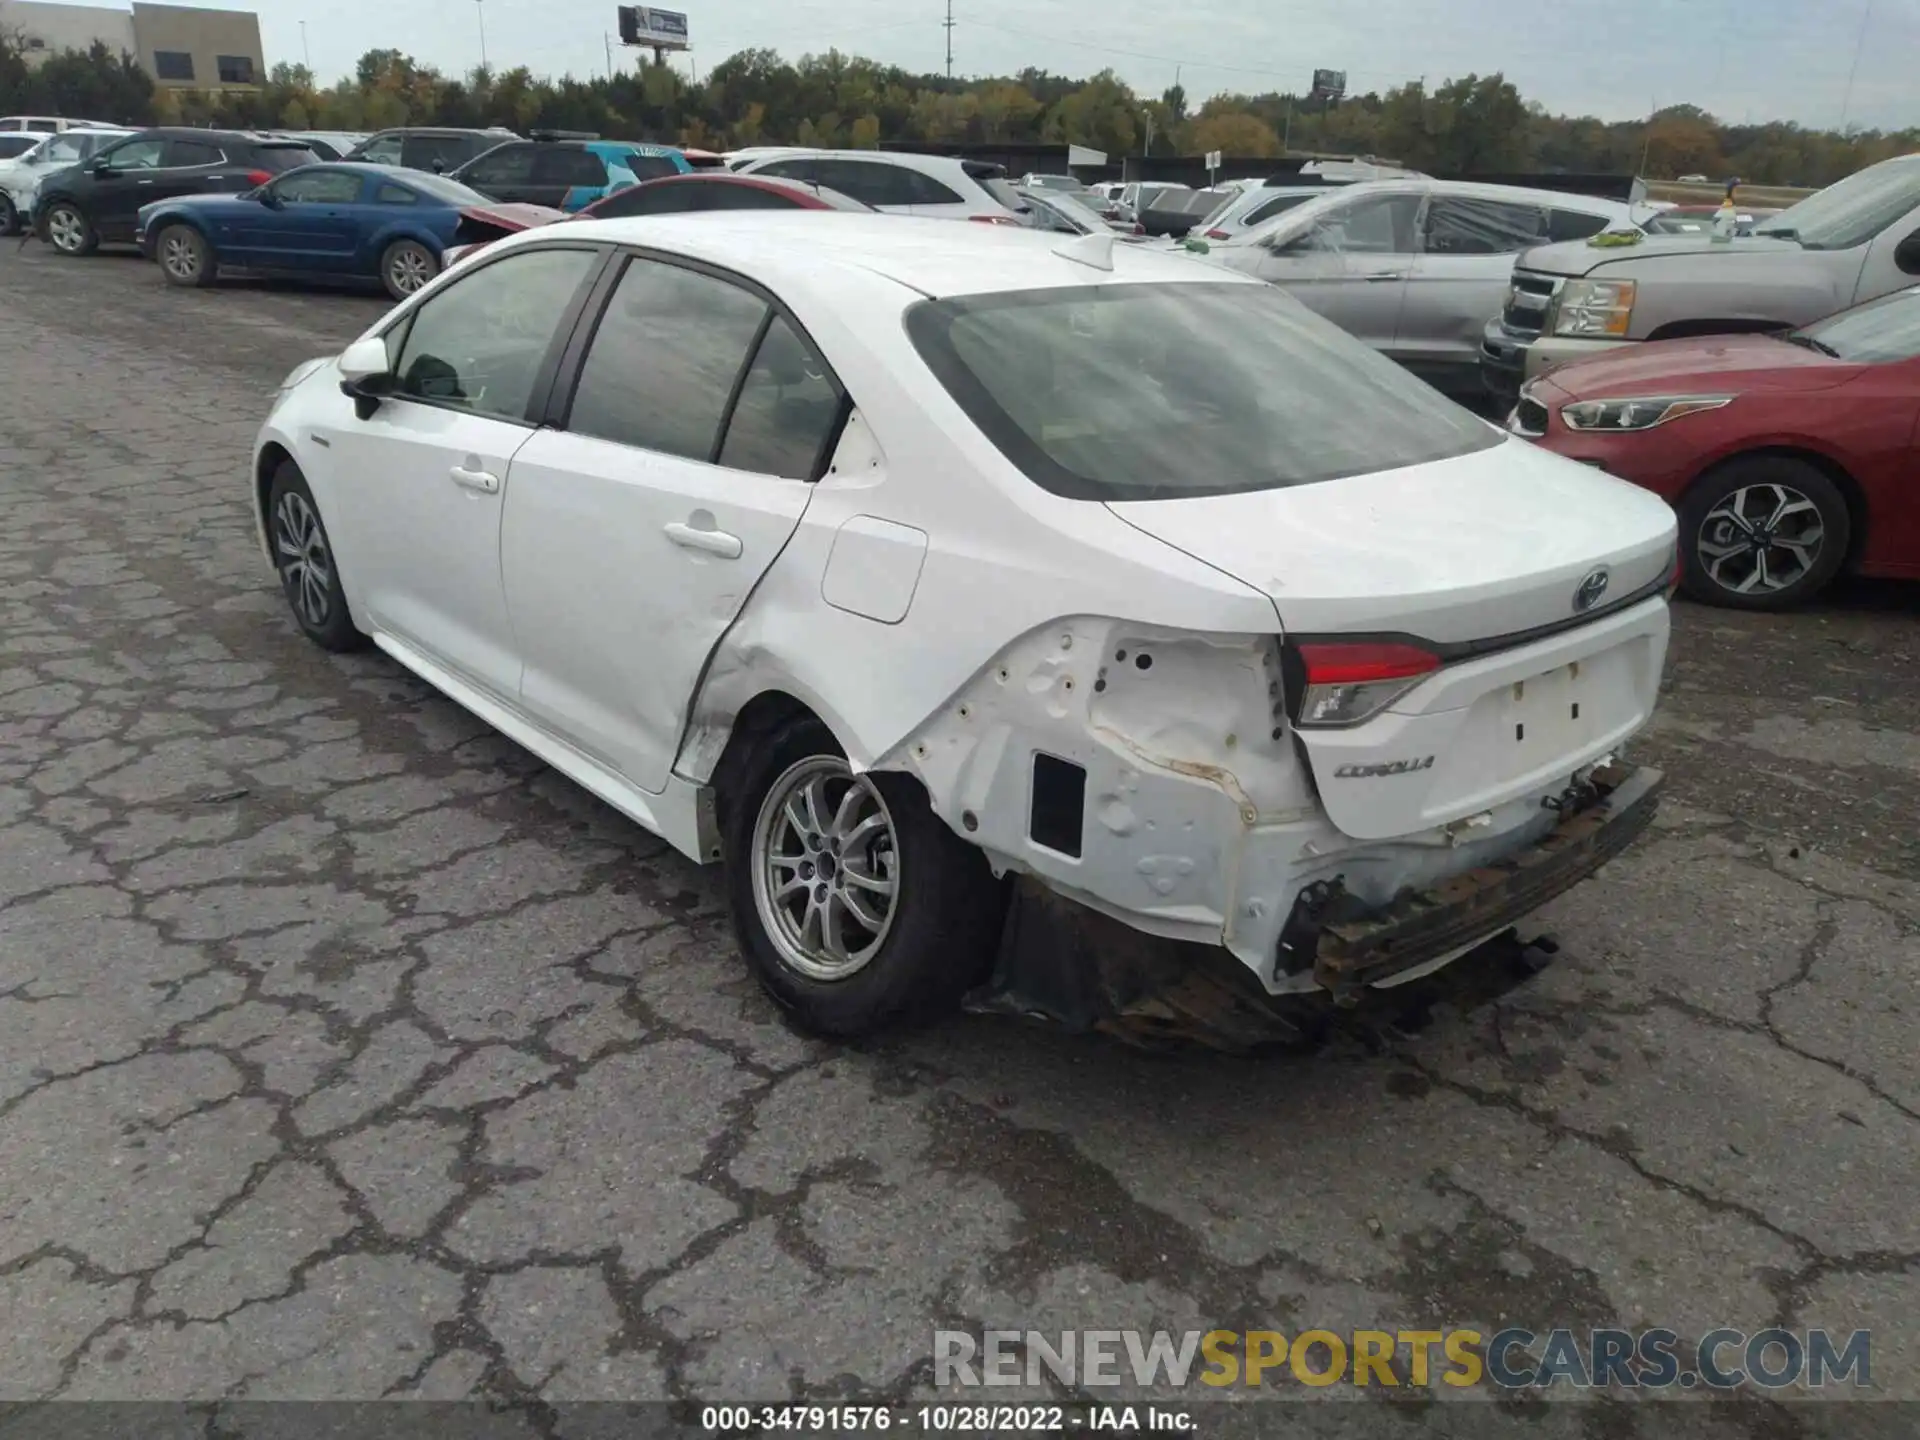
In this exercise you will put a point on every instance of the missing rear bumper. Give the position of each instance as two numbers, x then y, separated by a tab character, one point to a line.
1360	948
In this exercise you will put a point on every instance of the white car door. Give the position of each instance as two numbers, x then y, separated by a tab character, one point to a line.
417	487
1350	263
638	524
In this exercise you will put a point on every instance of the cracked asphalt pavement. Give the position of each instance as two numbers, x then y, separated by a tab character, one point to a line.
348	1052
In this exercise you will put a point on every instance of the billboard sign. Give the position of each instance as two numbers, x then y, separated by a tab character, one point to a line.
660	29
1329	84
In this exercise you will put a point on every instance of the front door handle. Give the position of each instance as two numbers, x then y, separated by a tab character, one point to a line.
714	542
1386	275
481	480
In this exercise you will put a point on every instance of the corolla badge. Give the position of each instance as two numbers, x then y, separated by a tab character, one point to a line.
1588	594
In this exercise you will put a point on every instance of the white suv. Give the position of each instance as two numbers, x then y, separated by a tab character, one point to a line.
936	186
886	560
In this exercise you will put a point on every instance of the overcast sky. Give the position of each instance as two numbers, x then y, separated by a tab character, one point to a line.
1741	59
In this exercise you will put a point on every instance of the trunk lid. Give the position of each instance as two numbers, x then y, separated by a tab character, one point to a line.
1477	559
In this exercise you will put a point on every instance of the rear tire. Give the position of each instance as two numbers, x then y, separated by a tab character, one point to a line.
10	223
913	910
185	256
69	230
1767	532
405	266
303	556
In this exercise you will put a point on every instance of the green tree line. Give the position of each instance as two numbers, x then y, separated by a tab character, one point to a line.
1476	124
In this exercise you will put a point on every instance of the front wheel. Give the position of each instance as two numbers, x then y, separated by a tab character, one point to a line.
405	266
69	231
856	906
185	257
303	556
1764	533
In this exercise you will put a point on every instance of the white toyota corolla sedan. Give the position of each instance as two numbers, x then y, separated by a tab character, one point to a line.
910	568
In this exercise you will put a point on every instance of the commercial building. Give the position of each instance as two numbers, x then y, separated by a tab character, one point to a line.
178	45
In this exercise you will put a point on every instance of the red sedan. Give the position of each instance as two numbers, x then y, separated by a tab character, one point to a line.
680	194
1789	457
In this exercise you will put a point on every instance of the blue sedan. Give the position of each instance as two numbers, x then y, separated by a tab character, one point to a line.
340	220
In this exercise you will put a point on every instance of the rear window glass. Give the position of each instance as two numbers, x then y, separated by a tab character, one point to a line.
1159	392
285	157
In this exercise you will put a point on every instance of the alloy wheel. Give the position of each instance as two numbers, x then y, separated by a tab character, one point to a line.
1760	539
409	269
306	566
826	869
181	257
67	229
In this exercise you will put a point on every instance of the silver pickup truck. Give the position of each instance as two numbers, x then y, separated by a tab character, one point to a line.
1854	241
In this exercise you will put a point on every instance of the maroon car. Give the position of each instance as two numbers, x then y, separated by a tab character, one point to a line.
1790	457
697	190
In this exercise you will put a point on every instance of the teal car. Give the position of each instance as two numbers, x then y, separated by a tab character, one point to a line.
566	174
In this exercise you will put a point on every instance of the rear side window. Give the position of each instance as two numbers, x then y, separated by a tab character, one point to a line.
564	165
384	151
1573	224
1457	225
1277	206
184	154
928	191
788	410
284	157
649	200
1164	391
12	145
480	343
871	182
741	197
664	360
649	167
506	165
390	194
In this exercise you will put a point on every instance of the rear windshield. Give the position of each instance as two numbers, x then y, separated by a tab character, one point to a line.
1165	391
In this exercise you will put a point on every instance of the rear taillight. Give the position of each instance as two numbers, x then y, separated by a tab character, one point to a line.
1344	684
995	219
1138	228
257	178
1218	235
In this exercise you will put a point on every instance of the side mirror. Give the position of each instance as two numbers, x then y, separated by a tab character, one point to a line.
267	198
366	376
99	166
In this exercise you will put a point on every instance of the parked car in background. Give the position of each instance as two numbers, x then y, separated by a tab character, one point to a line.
1065	183
1854	241
433	148
1110	524
50	124
327	144
1252	205
754	154
1701	220
1063	212
1790	457
79	209
566	174
46	154
336	221
935	186
1413	267
699	191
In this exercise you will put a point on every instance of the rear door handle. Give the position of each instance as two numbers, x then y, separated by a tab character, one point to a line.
714	542
1386	275
481	480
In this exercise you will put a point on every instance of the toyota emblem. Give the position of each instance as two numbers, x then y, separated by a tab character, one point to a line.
1590	590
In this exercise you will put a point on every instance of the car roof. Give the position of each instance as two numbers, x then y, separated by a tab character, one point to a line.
937	258
906	158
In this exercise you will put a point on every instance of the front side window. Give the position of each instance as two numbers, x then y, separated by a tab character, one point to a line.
1879	333
63	150
424	152
480	343
664	360
1462	225
384	151
318	187
135	155
172	65
1166	391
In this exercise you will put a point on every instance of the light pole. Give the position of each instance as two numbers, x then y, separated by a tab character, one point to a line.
1846	103
480	9
305	54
